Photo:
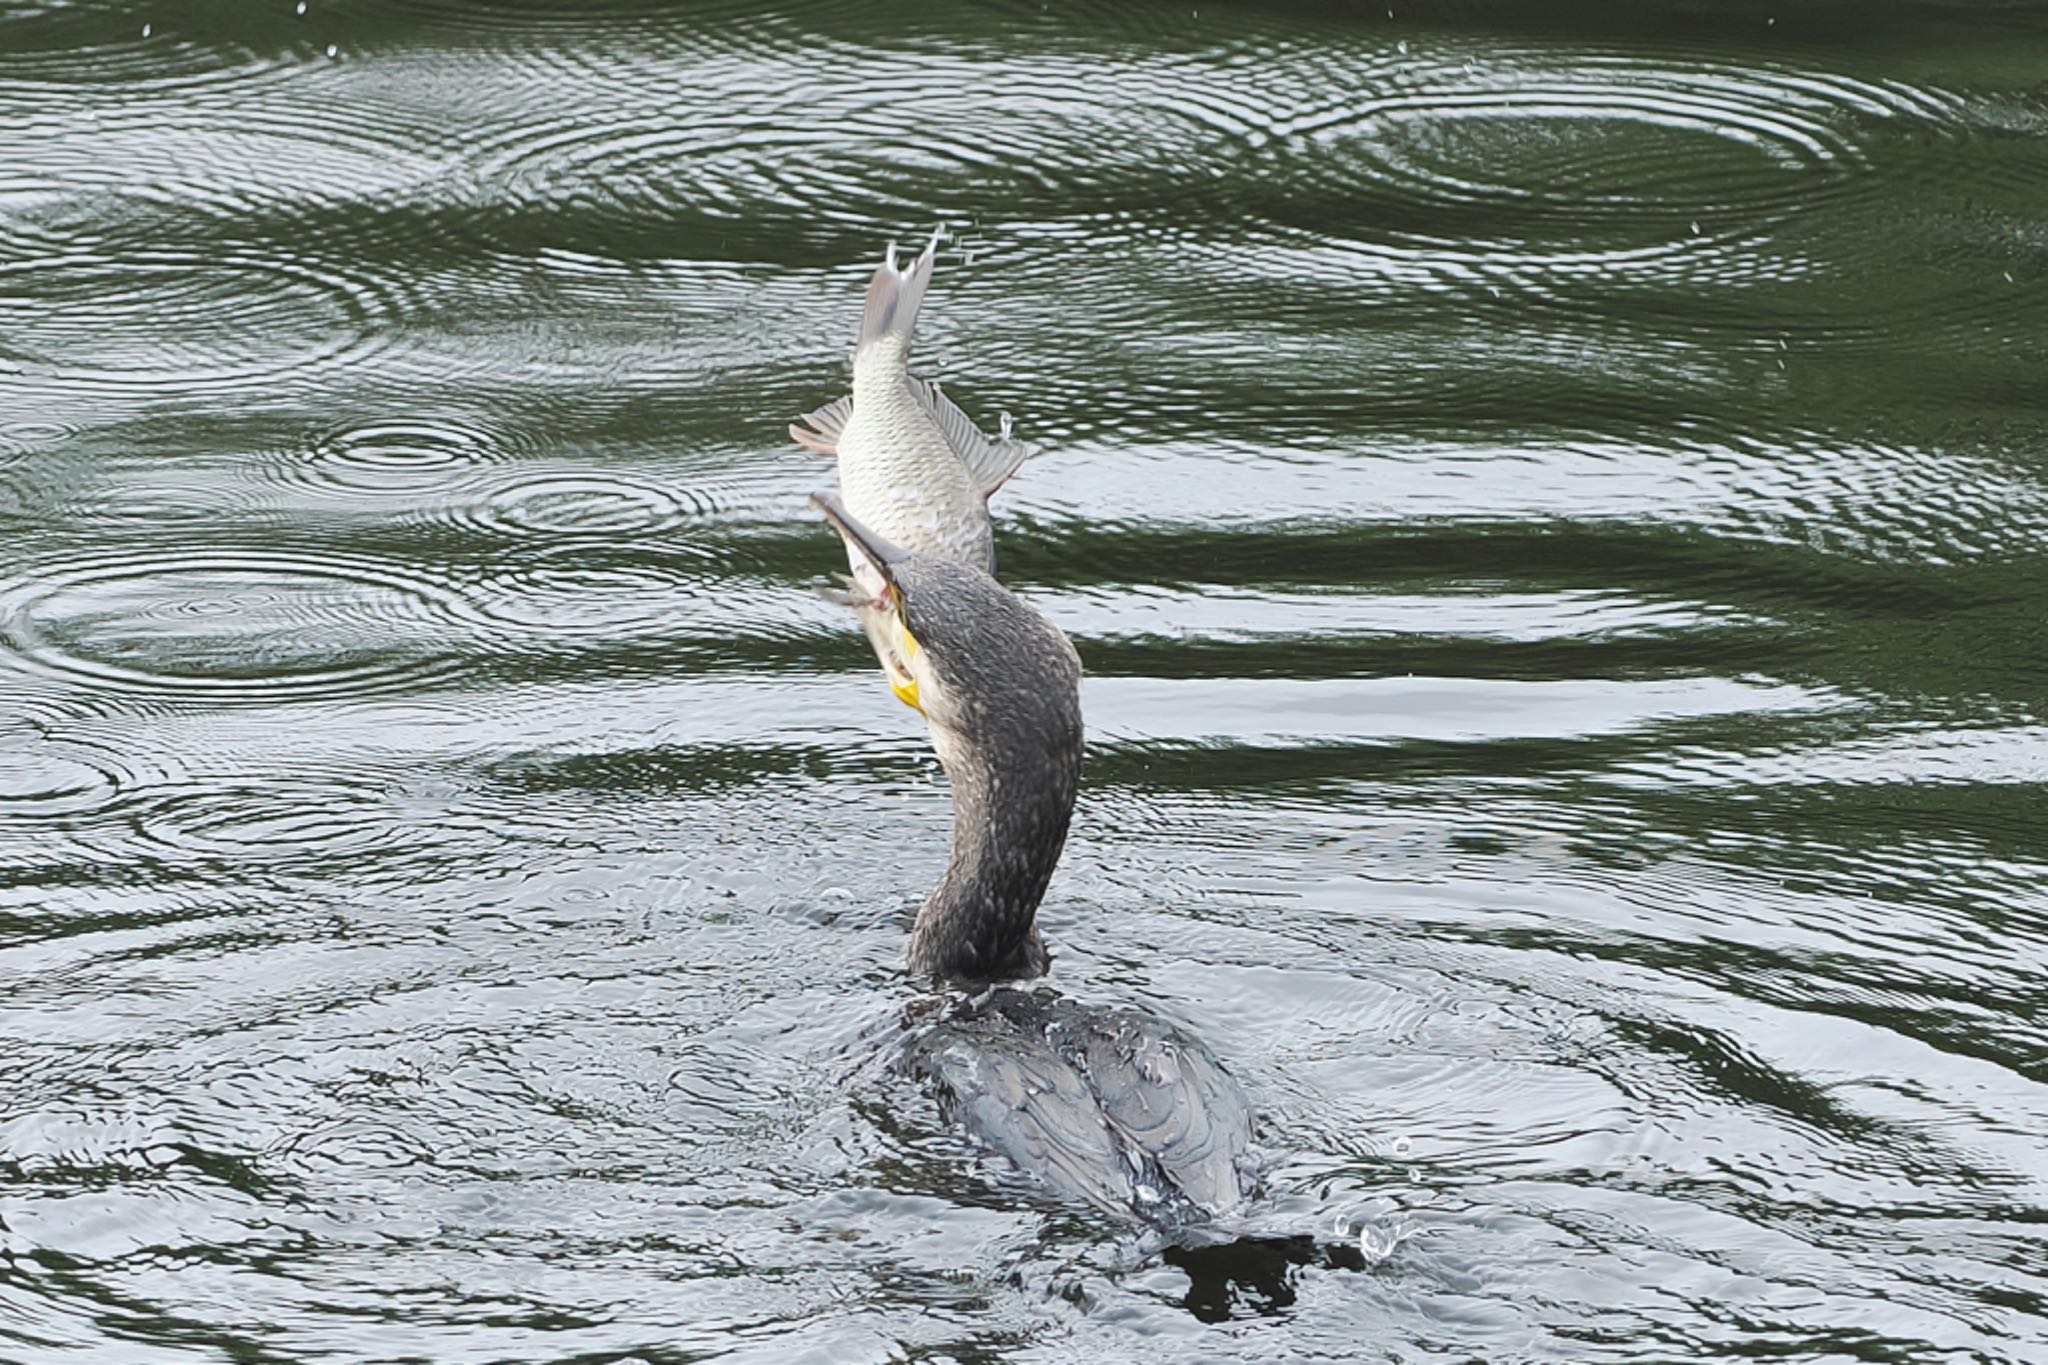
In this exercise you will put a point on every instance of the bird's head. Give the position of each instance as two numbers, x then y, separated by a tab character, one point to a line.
966	652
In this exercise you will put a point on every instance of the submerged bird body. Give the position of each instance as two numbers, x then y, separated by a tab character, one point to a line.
1105	1105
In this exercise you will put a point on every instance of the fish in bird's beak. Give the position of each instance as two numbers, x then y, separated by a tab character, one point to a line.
878	598
912	465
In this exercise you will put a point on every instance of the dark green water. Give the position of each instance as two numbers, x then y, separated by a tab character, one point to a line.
1552	500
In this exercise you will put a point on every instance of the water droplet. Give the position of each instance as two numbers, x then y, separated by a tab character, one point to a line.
1377	1243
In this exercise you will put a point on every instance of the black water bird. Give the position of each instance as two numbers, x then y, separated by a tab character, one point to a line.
1105	1105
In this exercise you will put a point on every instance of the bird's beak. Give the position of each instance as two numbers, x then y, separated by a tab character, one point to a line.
879	599
878	552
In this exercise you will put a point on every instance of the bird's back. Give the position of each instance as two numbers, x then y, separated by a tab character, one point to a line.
1105	1105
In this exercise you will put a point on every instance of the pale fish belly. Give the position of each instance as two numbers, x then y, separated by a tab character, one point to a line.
916	493
909	514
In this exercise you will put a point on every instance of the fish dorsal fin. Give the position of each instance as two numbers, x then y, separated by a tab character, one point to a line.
819	428
990	462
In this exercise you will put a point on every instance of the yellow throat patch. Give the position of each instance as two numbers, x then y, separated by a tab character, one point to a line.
901	680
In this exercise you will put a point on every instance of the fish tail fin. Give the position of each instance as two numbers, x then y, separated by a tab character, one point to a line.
894	297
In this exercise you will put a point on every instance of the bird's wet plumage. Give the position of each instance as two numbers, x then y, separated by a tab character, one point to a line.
1105	1105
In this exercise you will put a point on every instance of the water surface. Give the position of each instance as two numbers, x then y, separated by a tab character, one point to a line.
1551	502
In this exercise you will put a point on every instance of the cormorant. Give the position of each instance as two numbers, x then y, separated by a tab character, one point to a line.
1108	1106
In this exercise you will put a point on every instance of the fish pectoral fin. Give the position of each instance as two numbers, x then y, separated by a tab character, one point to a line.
1008	456
810	440
991	463
819	428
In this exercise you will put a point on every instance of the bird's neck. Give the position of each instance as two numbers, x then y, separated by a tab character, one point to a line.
1012	801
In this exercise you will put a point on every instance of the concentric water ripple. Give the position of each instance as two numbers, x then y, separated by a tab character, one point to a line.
599	590
1612	140
50	776
1623	155
583	503
101	790
150	178
400	457
66	48
279	820
25	437
225	624
219	324
135	496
